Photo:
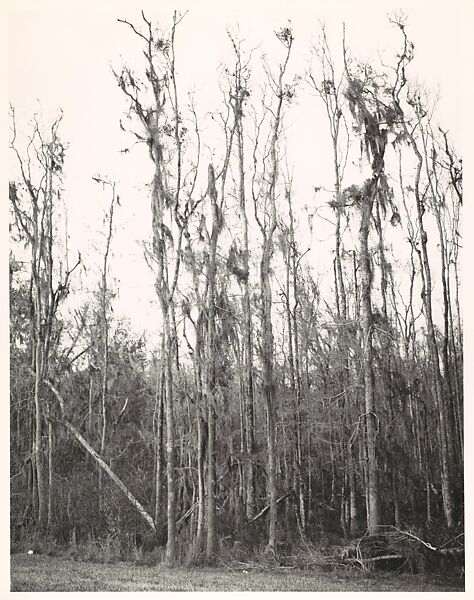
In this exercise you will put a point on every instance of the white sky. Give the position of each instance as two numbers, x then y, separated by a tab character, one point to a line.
62	58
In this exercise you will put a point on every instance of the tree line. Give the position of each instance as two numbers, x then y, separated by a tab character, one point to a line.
271	411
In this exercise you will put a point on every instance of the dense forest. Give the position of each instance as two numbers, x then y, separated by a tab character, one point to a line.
298	395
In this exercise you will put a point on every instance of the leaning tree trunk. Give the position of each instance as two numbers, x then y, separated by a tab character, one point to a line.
100	461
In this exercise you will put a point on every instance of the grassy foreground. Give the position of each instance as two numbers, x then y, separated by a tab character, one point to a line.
42	574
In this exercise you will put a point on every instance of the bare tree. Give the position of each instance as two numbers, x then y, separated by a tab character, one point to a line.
329	87
33	204
104	309
419	113
171	205
373	117
265	201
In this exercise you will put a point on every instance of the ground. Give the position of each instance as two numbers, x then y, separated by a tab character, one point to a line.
39	573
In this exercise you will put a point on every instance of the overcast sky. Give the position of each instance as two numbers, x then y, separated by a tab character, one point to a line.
62	59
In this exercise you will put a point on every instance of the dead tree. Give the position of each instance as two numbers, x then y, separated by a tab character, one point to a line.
265	207
33	206
419	113
171	206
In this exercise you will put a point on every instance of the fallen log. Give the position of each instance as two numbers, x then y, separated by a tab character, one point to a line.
373	558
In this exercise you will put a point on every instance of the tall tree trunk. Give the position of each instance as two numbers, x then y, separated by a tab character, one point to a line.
267	228
38	450
202	449
170	440
170	210
210	375
159	422
439	202
269	388
89	409
386	345
369	118
291	292
50	475
104	301
211	546
368	374
247	316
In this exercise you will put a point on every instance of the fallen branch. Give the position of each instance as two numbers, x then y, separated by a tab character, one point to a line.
121	414
451	541
412	536
267	508
372	558
100	461
451	550
187	513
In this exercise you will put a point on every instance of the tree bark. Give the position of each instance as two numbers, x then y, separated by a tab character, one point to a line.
170	441
159	441
246	310
202	449
38	451
368	374
267	228
269	387
210	375
105	338
50	475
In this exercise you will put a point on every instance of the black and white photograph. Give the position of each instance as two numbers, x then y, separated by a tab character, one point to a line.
236	292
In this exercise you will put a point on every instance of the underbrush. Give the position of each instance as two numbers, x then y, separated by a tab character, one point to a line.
407	551
392	551
107	549
37	543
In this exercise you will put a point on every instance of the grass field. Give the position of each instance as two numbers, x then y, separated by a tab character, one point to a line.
42	574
